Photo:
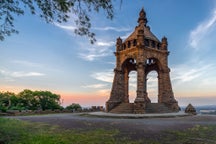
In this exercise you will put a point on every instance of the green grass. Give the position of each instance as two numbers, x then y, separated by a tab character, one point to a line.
19	132
196	135
14	131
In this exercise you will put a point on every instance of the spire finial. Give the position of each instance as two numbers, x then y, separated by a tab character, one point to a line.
142	17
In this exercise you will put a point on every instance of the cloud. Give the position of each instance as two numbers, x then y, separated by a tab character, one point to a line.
96	86
65	27
108	44
91	56
109	28
126	35
26	74
26	63
101	49
8	75
104	76
203	29
186	73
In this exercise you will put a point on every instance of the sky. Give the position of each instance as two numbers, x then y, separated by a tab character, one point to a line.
51	57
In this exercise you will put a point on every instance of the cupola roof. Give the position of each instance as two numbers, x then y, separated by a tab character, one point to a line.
142	21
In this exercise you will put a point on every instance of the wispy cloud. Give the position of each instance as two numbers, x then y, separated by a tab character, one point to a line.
109	28
101	49
186	73
65	27
92	54
26	63
104	76
18	74
26	74
108	44
126	35
200	32
96	86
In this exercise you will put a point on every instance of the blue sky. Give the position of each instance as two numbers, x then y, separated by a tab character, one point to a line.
51	57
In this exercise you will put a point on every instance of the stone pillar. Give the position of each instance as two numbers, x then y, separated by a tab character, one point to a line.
141	99
167	96
160	87
118	91
126	83
140	83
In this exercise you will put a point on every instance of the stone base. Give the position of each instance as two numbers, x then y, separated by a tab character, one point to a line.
173	106
111	105
139	107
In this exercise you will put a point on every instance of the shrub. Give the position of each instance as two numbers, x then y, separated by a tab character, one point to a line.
73	106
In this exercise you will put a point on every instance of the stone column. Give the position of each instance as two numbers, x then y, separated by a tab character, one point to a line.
126	83
118	91
167	96
160	87
140	101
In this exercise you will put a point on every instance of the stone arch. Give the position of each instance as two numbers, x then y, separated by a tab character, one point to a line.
127	66
153	64
152	87
132	85
124	59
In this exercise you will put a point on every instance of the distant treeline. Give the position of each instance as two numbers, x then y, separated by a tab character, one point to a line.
32	100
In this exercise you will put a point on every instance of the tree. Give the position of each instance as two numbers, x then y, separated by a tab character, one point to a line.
5	100
47	100
28	100
53	11
73	106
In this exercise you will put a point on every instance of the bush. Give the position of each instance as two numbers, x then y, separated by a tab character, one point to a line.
20	108
3	109
73	106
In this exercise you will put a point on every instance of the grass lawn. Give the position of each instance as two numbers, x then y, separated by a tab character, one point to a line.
20	132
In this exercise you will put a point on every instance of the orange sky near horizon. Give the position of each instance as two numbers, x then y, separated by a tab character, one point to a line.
99	98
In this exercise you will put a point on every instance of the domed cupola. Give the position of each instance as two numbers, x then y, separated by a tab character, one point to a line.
150	40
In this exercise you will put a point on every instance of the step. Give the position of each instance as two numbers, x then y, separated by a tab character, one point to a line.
150	108
123	108
157	108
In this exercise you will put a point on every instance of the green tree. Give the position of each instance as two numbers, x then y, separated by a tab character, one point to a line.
15	103
53	11
28	100
73	106
5	100
47	100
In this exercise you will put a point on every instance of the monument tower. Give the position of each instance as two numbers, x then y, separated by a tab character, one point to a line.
141	52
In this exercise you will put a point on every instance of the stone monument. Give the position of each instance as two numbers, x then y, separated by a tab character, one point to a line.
141	52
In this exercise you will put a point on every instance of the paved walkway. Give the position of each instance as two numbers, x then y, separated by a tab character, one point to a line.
152	115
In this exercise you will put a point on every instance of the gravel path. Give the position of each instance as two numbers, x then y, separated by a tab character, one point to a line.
133	128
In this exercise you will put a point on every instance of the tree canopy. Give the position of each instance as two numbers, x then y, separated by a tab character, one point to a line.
53	11
73	106
29	100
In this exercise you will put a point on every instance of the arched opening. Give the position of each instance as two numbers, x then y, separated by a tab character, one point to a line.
129	70
132	86
152	86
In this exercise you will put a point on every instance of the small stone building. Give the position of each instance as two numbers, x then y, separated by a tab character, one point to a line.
142	52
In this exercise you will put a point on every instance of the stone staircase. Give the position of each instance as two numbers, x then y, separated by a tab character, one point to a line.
150	108
157	108
123	108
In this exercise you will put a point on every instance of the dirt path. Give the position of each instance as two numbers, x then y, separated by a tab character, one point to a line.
133	128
